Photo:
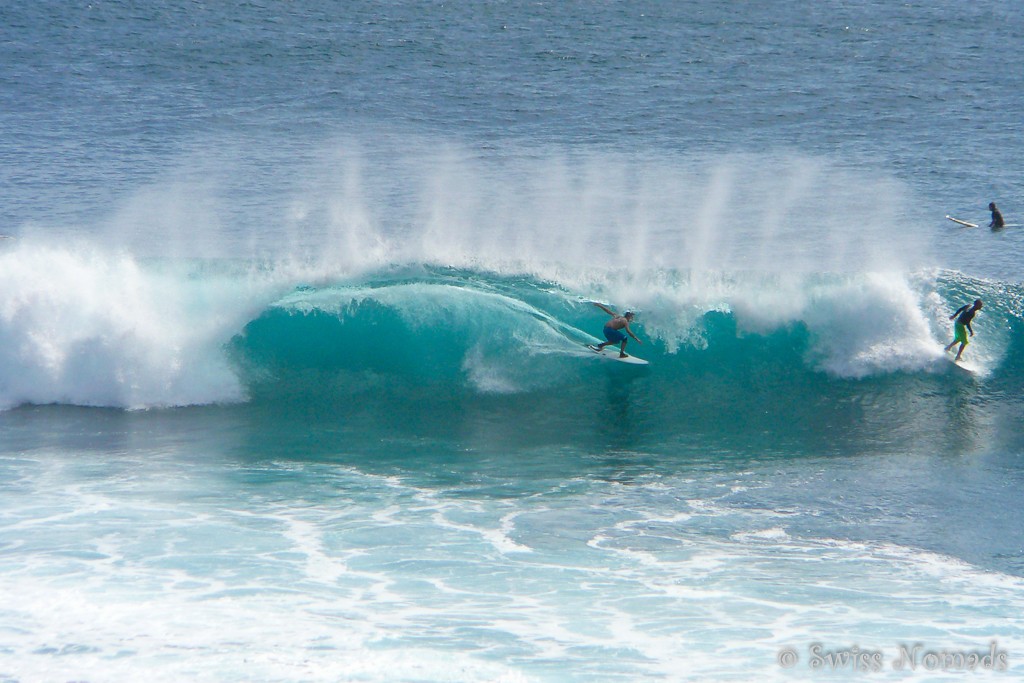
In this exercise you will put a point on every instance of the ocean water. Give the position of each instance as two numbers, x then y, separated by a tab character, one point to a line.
294	299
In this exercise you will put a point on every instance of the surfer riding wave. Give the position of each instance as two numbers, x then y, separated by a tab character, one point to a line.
614	330
964	316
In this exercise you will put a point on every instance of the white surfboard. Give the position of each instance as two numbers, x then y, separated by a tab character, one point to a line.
960	222
966	366
612	353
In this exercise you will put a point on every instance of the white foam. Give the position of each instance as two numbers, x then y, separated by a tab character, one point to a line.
872	324
382	579
498	538
82	325
773	534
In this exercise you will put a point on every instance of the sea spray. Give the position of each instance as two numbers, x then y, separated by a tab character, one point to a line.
374	200
85	326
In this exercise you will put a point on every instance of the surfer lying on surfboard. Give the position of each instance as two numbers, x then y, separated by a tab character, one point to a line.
964	315
613	330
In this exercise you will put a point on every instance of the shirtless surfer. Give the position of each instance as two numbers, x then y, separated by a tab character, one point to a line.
613	330
964	315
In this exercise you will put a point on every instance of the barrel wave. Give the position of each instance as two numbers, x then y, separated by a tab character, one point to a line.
848	362
830	357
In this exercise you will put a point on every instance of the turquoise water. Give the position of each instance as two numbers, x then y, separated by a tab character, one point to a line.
293	313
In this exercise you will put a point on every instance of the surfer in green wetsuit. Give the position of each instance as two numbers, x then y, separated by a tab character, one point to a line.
964	315
613	330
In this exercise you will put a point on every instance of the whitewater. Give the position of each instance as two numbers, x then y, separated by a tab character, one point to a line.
294	306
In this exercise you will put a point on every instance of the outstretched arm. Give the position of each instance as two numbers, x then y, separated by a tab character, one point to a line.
633	335
606	309
959	311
